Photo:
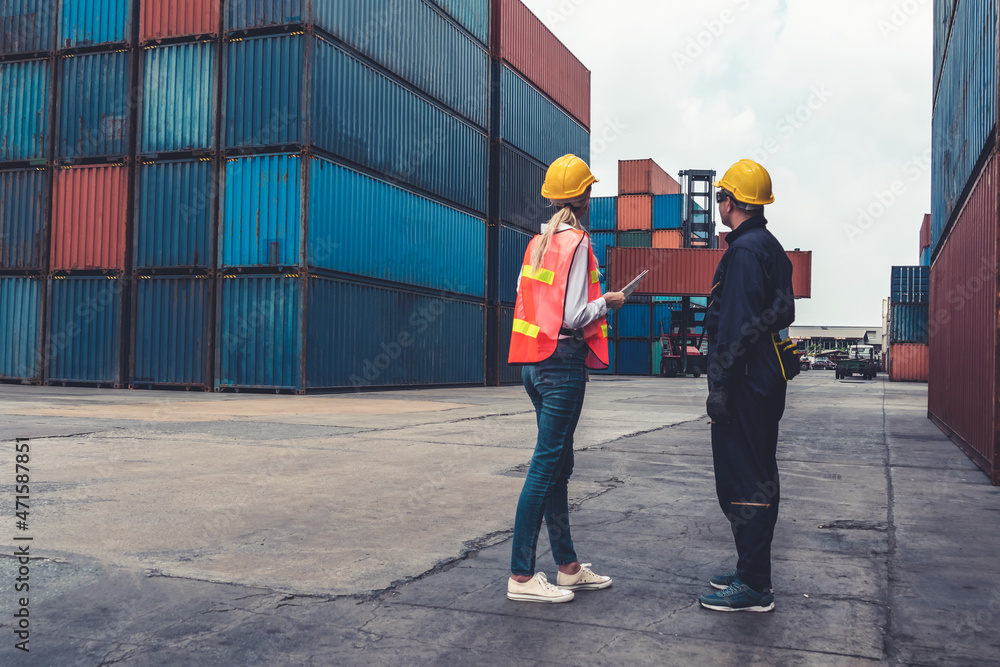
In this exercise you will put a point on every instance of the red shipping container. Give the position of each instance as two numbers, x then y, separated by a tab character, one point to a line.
645	177
671	238
925	232
531	48
909	362
964	377
174	18
688	271
635	213
723	243
88	218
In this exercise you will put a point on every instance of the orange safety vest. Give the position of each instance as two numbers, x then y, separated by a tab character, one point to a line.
541	302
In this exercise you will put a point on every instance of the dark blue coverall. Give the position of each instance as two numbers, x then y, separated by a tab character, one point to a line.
751	299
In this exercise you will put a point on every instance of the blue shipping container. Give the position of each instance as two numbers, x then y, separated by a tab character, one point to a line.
174	215
20	328
521	201
925	257
93	22
170	344
473	15
944	10
24	110
910	284
508	373
366	226
259	332
633	321
27	26
354	111
610	370
513	245
908	323
600	241
634	357
668	211
532	123
84	341
94	106
603	213
178	98
24	198
368	336
662	318
965	110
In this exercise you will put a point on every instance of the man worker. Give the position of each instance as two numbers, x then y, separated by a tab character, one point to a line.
751	301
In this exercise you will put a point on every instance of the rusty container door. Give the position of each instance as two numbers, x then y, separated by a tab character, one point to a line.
635	213
908	362
88	218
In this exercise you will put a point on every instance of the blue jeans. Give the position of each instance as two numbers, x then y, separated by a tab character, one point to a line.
556	387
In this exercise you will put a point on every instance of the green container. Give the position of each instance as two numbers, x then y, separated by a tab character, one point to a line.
657	354
635	239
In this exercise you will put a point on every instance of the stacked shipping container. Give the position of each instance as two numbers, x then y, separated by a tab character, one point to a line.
209	185
963	327
908	321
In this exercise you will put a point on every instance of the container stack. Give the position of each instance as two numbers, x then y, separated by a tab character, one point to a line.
27	78
542	112
908	320
650	211
925	241
964	377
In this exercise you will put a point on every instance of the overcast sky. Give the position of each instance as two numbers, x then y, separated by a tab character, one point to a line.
834	98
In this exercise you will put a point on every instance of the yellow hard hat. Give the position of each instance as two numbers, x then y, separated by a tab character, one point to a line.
748	182
567	178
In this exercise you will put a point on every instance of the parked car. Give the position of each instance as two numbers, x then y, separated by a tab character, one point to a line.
824	365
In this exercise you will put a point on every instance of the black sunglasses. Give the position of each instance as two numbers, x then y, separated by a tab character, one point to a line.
721	196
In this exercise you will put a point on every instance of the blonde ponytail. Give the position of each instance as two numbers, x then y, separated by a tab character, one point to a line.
566	215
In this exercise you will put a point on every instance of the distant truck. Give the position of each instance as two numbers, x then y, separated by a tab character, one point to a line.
860	360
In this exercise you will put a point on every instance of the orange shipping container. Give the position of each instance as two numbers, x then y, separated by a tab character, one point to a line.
688	271
635	213
645	177
671	238
174	18
88	218
909	362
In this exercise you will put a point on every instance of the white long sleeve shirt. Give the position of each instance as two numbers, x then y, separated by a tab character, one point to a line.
578	312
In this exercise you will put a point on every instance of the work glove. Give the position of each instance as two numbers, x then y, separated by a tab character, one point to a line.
718	406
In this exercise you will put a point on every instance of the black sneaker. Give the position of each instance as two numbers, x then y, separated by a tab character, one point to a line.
723	581
738	597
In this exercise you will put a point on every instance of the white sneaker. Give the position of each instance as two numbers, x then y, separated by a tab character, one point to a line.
584	580
536	589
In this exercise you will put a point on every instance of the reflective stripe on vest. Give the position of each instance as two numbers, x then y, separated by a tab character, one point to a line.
541	302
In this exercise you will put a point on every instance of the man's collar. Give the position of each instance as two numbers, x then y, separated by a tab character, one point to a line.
751	223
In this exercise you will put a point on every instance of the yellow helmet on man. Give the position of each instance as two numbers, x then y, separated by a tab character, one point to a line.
748	182
567	178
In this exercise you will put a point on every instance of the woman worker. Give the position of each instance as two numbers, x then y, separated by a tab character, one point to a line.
559	330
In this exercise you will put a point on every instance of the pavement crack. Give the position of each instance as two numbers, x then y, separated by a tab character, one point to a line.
608	484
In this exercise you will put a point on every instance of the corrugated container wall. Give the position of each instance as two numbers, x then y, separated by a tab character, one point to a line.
508	373
965	110
513	245
94	22
409	338
170	342
529	121
925	232
94	107
473	15
633	358
908	323
668	211
159	19
910	284
635	213
84	329
603	213
410	139
669	238
908	362
174	215
688	272
24	110
259	332
522	40
962	397
600	241
635	240
20	328
24	205
88	218
178	98
521	202
943	12
633	321
27	26
645	177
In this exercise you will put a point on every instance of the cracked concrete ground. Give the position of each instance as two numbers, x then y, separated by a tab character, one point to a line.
179	528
